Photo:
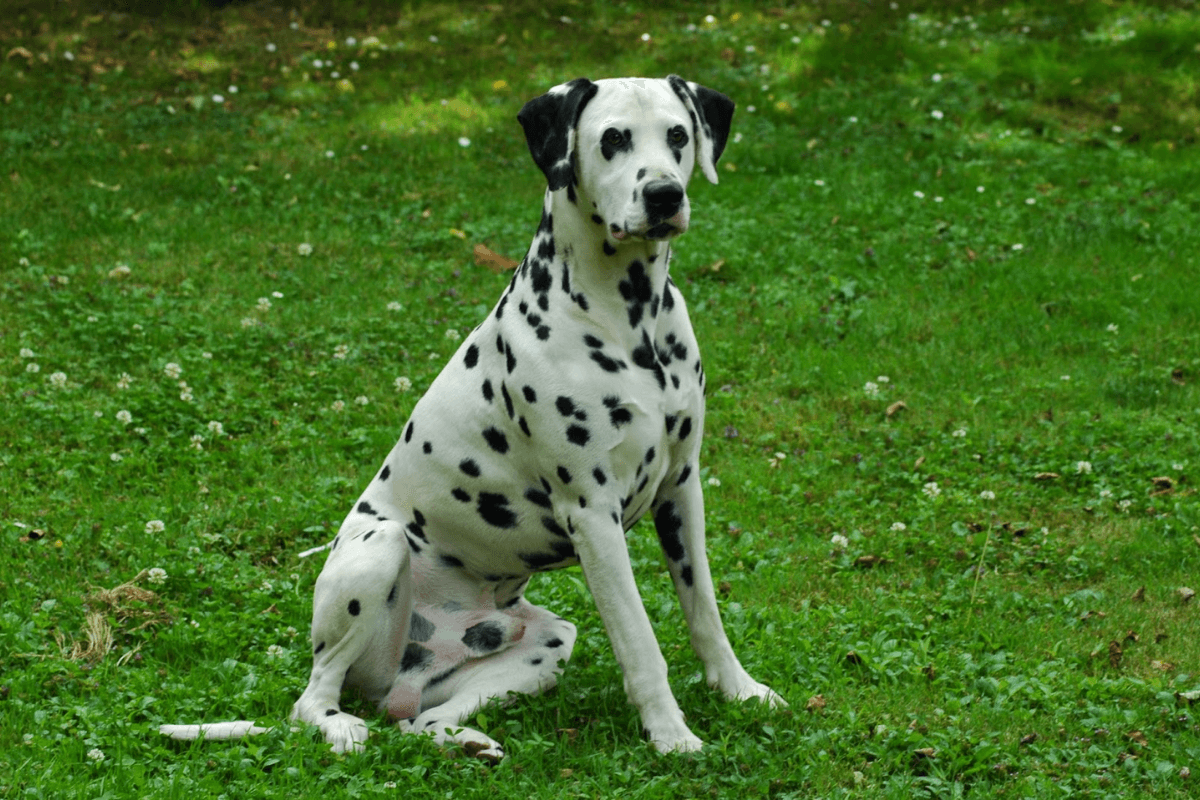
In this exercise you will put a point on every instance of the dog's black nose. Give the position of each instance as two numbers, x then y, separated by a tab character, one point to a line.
663	198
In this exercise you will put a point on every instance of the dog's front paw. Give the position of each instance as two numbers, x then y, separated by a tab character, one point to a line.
344	732
678	739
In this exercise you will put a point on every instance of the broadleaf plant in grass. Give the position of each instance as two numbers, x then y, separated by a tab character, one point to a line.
945	292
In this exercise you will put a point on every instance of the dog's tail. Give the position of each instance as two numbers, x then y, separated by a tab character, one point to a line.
213	730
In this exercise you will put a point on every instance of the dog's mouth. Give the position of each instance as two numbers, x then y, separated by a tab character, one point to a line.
663	230
660	231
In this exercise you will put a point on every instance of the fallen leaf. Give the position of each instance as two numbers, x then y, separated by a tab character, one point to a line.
456	233
1137	737
926	752
867	562
1185	594
1114	654
1162	666
714	267
20	51
1188	697
1140	595
896	408
971	255
917	464
486	257
1131	636
1163	482
1046	476
815	703
853	658
1030	739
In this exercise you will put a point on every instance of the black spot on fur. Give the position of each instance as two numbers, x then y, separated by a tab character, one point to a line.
668	524
483	636
441	677
646	358
461	496
354	608
385	473
408	432
551	525
650	455
368	535
609	250
670	420
494	510
365	508
565	406
596	218
530	394
608	364
427	448
469	467
599	475
684	475
686	574
318	648
391	598
537	498
577	434
524	427
592	341
564	474
450	561
637	292
415	657
685	428
472	357
419	629
418	517
555	642
496	440
508	403
331	712
488	392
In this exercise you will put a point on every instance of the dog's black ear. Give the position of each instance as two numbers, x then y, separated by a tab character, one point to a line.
712	114
549	122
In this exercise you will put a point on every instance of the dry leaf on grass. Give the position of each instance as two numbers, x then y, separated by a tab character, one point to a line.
486	257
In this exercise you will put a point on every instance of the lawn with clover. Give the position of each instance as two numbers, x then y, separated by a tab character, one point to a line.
946	293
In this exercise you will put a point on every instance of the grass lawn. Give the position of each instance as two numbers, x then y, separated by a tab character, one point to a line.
947	296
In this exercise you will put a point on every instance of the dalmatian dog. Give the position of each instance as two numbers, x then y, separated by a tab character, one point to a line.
572	410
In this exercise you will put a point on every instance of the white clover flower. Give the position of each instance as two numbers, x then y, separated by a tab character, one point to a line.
32	367
185	393
871	389
115	457
1018	247
96	754
1083	467
938	198
931	489
919	194
250	322
936	77
157	576
193	551
193	623
452	334
68	55
776	460
403	384
1029	201
232	89
751	109
26	353
1065	378
58	379
852	119
987	494
304	249
330	154
173	371
1124	505
818	182
216	428
124	417
354	68
337	405
271	48
98	414
1177	466
840	542
936	114
714	481
1117	129
463	141
1112	327
361	400
395	306
264	304
207	355
196	442
275	651
1105	494
291	632
267	586
979	189
341	351
218	99
120	271
277	295
645	37
960	433
898	527
884	379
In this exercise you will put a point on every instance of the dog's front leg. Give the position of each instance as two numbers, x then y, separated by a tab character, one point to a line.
605	560
679	520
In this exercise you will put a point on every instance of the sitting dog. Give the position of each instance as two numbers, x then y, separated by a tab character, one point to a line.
573	409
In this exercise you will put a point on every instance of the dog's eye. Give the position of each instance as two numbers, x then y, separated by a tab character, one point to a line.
677	136
613	137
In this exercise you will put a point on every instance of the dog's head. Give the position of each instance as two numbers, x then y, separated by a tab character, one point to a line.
625	148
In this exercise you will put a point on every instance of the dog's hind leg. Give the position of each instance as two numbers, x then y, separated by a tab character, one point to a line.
362	606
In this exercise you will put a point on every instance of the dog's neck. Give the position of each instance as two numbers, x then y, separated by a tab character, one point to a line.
606	275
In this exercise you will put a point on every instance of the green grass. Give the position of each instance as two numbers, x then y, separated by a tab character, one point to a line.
1028	643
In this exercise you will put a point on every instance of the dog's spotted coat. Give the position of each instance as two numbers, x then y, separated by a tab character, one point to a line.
573	409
